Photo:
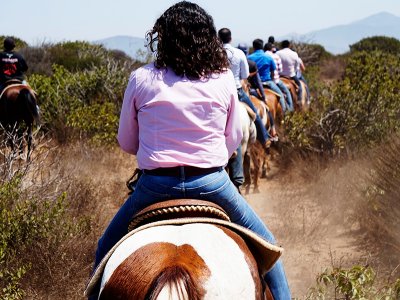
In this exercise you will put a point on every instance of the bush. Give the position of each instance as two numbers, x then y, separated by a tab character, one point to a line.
357	112
37	217
311	54
358	282
73	56
65	96
98	122
377	43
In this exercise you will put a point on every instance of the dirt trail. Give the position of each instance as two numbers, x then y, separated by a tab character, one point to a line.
309	221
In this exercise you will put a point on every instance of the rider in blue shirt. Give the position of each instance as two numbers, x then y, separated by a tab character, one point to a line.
266	67
265	63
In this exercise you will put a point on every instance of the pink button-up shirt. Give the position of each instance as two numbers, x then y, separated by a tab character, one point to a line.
169	120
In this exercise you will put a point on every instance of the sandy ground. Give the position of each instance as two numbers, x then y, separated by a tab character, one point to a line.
311	239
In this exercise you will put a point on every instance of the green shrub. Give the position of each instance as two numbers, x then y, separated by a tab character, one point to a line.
358	283
43	222
76	56
377	43
65	96
24	221
98	122
359	111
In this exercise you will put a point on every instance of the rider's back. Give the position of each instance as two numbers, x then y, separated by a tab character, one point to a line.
289	60
12	64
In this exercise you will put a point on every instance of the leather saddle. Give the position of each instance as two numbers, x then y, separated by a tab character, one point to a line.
177	209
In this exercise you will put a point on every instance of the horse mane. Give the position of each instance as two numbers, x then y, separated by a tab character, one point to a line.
178	279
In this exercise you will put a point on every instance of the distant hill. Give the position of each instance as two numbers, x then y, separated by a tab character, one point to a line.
337	39
130	45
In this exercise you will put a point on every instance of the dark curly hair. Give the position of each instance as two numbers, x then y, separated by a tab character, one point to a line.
184	38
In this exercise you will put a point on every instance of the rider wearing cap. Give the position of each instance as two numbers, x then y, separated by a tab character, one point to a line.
12	64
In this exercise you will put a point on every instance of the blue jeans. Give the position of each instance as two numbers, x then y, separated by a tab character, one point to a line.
214	187
272	86
289	100
235	166
262	133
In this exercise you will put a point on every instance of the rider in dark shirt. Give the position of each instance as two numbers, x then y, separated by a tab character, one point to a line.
12	64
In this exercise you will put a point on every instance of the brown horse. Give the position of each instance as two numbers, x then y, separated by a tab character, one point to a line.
186	259
272	100
293	88
255	158
256	162
18	111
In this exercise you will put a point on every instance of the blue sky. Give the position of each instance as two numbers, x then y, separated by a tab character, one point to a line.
36	21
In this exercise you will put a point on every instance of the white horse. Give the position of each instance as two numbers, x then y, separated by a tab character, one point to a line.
186	259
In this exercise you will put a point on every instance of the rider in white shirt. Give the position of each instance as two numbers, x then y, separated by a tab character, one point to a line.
290	62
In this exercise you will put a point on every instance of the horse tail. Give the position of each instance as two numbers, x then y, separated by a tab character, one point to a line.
26	98
178	281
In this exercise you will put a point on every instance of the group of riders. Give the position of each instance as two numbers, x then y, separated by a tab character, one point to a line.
262	69
267	65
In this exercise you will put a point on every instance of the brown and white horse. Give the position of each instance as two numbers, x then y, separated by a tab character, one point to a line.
18	107
174	259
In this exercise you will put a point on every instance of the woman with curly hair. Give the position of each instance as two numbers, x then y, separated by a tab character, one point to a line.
180	118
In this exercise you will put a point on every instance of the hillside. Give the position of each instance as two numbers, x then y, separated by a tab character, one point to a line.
335	39
338	38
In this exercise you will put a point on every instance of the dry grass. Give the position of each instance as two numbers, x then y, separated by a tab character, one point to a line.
95	182
332	69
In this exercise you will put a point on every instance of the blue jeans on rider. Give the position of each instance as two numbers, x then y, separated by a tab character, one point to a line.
262	133
214	187
272	86
235	167
289	100
300	91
